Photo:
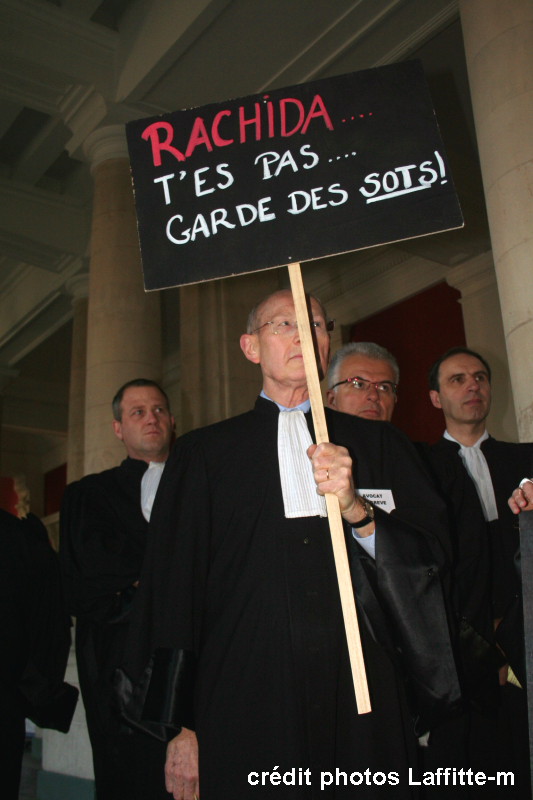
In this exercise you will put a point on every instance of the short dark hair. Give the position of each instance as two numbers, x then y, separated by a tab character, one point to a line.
117	400
433	374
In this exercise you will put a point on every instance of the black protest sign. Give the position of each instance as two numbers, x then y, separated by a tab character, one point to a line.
289	175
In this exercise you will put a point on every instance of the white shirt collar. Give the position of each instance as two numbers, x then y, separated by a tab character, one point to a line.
481	439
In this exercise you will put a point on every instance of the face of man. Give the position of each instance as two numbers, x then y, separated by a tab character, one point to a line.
464	391
369	402
277	348
146	425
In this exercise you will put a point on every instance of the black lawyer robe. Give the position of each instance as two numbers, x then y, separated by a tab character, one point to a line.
254	597
102	547
493	733
508	463
35	630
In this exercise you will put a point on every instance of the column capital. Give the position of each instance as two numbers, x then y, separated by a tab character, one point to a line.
78	287
105	144
473	276
82	109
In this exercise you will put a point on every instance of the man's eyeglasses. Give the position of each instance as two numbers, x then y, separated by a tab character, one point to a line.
362	385
285	327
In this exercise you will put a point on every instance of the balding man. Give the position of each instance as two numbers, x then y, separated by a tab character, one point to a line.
363	380
240	642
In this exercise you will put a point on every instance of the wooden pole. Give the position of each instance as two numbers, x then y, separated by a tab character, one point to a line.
334	515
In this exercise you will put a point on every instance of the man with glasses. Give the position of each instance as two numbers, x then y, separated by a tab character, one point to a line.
363	380
239	643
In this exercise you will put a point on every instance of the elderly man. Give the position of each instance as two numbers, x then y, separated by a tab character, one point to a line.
239	642
486	581
363	380
104	524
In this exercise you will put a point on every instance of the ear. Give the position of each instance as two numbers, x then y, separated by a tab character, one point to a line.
117	427
330	397
250	347
435	398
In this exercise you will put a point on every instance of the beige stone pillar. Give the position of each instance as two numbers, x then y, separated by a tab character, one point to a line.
124	322
216	379
78	287
476	280
498	36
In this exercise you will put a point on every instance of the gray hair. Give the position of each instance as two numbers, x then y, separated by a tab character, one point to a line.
368	349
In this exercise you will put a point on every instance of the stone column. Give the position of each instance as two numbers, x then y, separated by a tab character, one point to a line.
124	322
78	287
498	36
476	280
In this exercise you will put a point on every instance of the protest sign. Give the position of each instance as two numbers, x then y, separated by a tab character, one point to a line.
286	176
289	175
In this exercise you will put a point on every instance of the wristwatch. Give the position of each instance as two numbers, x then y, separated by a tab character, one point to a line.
369	513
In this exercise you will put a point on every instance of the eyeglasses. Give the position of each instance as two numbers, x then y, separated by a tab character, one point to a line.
362	385
285	327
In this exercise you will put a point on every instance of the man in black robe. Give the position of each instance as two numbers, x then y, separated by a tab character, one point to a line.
104	524
467	458
35	634
363	380
239	643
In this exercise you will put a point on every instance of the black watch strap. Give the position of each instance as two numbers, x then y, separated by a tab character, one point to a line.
369	516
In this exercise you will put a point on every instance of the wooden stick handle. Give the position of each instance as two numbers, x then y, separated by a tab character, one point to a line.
334	515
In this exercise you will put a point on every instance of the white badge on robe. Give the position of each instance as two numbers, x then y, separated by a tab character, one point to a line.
300	498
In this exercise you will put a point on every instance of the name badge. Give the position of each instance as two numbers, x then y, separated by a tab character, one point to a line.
379	497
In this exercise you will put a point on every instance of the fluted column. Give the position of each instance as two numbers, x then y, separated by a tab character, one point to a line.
498	36
124	322
78	287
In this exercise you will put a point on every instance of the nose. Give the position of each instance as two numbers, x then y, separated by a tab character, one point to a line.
372	393
472	384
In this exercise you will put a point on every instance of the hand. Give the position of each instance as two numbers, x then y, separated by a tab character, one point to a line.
522	498
503	672
332	471
181	768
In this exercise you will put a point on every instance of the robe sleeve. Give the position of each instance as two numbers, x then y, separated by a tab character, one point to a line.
50	702
98	563
403	591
